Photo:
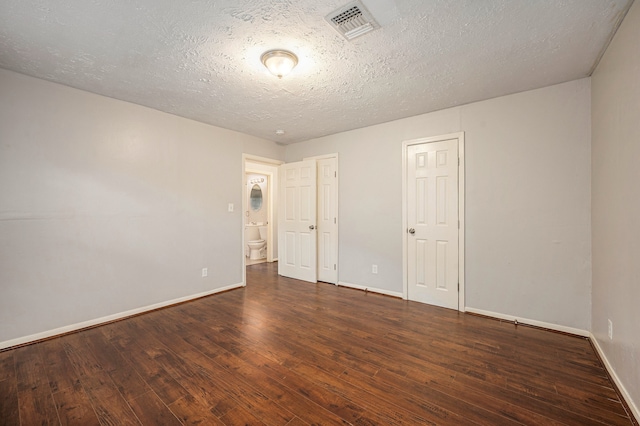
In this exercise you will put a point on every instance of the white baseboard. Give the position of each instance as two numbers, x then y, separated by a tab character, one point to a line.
371	289
109	318
550	326
632	406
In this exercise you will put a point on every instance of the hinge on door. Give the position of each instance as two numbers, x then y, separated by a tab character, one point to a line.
335	220
334	267
335	174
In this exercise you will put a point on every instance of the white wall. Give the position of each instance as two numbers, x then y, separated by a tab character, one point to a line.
616	203
528	248
107	206
528	196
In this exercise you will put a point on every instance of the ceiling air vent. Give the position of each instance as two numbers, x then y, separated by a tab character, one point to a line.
352	20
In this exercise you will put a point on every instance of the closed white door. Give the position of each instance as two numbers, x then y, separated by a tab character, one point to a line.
432	219
327	220
297	234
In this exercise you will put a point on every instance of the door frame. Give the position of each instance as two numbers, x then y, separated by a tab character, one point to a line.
461	181
272	202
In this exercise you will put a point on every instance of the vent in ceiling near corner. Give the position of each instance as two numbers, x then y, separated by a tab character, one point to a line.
352	20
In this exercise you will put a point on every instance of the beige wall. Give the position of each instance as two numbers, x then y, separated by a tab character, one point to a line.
107	206
528	246
616	203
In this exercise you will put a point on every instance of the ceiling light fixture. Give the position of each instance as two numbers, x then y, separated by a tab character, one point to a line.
279	62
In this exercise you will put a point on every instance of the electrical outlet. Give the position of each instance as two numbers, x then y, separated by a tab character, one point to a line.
205	272
374	269
230	207
610	329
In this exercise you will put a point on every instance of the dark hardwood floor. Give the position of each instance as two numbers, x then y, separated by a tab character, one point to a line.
284	352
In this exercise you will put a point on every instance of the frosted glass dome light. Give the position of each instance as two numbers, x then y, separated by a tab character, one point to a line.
279	62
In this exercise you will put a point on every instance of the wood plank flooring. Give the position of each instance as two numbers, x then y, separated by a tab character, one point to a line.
285	352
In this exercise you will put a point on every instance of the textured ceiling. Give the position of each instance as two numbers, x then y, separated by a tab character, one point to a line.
201	58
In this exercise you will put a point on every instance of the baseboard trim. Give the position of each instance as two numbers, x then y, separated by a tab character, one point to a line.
535	323
371	289
34	338
635	412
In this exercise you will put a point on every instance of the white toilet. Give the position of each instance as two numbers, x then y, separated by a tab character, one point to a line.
256	246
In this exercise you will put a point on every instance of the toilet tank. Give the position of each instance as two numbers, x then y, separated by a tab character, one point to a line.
263	232
251	233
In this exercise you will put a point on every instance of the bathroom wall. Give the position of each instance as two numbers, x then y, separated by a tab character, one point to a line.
108	207
528	191
262	215
616	204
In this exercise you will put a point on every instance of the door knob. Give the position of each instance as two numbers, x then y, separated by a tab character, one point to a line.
312	227
412	231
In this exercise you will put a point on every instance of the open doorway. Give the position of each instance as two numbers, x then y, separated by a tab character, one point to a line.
257	218
259	206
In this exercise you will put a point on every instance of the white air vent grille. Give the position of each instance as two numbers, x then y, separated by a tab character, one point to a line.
348	15
352	20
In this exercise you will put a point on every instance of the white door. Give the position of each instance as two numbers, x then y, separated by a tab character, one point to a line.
297	221
432	219
327	220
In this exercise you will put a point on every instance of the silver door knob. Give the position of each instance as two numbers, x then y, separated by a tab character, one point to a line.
412	231
312	227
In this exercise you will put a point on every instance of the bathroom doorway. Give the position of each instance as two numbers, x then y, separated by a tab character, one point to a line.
256	217
259	201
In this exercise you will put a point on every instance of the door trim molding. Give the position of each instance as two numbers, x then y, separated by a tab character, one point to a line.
322	157
461	179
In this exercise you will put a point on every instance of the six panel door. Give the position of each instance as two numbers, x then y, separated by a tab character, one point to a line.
297	234
432	218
